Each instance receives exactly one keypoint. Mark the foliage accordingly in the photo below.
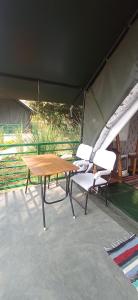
(41, 132)
(61, 115)
(19, 136)
(1, 136)
(48, 132)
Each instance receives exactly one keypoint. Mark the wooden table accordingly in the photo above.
(44, 166)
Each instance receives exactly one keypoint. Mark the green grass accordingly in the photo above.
(41, 131)
(125, 197)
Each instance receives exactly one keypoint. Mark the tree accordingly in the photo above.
(58, 114)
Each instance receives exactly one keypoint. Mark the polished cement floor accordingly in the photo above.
(66, 262)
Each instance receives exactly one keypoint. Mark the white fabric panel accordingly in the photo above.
(119, 119)
(111, 87)
(123, 134)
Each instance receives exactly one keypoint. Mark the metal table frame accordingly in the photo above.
(43, 183)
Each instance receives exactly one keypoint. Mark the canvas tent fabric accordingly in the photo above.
(118, 77)
(119, 119)
(14, 112)
(63, 44)
(28, 89)
(131, 143)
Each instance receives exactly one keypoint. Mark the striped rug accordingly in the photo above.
(125, 254)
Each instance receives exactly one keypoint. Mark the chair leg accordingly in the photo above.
(86, 203)
(105, 196)
(106, 201)
(70, 196)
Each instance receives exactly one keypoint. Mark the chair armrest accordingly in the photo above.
(101, 173)
(82, 164)
(89, 167)
(124, 155)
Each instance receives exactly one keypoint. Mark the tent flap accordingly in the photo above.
(119, 119)
(111, 87)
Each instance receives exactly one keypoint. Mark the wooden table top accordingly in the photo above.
(47, 164)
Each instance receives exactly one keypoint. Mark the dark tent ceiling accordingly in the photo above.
(61, 43)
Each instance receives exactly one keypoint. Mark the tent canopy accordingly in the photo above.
(63, 44)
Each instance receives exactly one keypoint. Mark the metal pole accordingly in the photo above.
(43, 192)
(82, 120)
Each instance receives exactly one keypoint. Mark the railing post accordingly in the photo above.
(38, 152)
(38, 149)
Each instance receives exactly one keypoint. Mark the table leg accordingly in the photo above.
(67, 183)
(70, 196)
(28, 180)
(43, 195)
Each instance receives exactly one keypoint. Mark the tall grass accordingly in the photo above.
(1, 136)
(19, 135)
(43, 132)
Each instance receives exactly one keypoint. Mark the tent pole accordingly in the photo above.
(38, 90)
(82, 120)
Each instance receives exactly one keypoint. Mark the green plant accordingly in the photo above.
(72, 134)
(1, 136)
(19, 135)
(42, 132)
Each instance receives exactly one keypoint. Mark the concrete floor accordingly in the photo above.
(66, 262)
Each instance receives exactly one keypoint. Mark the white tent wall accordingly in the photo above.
(114, 83)
(119, 119)
(131, 142)
(124, 132)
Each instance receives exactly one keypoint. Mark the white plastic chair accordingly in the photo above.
(89, 181)
(84, 152)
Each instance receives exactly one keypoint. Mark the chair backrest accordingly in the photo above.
(84, 151)
(105, 159)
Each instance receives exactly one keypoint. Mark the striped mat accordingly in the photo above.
(125, 254)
